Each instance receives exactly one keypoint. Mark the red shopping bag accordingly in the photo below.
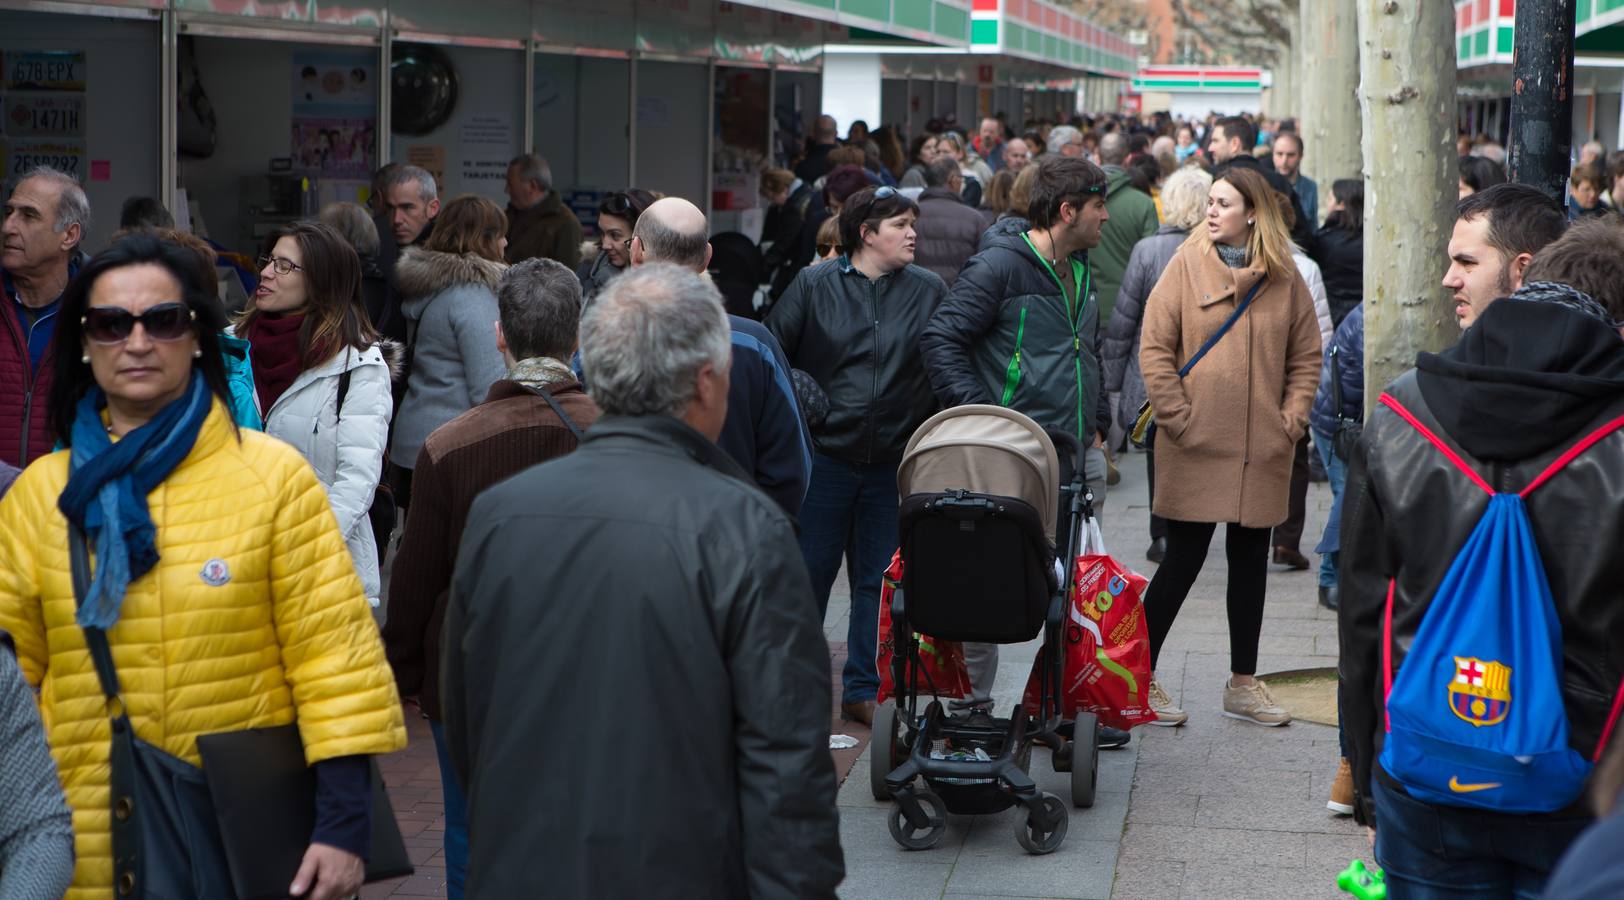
(1106, 644)
(942, 661)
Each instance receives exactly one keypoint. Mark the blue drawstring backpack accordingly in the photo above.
(1476, 718)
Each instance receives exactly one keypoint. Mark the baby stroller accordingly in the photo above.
(988, 509)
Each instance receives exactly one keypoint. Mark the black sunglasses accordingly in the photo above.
(617, 204)
(114, 325)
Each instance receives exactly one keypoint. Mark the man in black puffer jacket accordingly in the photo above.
(1534, 375)
(949, 230)
(1021, 328)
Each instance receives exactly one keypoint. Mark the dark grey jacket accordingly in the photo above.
(949, 232)
(1006, 297)
(635, 682)
(1120, 350)
(36, 829)
(859, 340)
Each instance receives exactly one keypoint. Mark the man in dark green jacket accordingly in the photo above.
(1021, 328)
(1133, 218)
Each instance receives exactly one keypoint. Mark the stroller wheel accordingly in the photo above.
(882, 749)
(1033, 838)
(912, 838)
(1085, 759)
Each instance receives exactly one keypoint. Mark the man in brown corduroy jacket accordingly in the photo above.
(536, 414)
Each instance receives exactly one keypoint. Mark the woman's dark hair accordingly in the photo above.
(1350, 192)
(916, 145)
(1143, 172)
(335, 317)
(868, 208)
(72, 377)
(843, 182)
(627, 204)
(1478, 173)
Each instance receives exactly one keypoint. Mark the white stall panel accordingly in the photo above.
(851, 89)
(109, 129)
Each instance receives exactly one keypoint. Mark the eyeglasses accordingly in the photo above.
(825, 250)
(885, 193)
(283, 266)
(114, 325)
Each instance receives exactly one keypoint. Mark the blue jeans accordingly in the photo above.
(851, 511)
(1337, 469)
(1436, 852)
(456, 818)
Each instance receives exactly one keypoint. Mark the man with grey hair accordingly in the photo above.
(1065, 140)
(411, 200)
(666, 600)
(45, 221)
(539, 224)
(1017, 155)
(949, 230)
(765, 432)
(539, 412)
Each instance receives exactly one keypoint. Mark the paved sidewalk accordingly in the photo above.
(1218, 808)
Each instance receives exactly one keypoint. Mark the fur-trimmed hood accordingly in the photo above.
(421, 274)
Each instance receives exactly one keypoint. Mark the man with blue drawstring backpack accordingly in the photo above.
(1481, 617)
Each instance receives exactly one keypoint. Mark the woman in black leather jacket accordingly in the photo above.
(853, 324)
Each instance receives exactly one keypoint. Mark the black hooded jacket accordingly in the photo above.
(1528, 381)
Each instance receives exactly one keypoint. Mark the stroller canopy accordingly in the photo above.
(986, 450)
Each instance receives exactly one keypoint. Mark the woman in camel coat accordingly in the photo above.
(1226, 432)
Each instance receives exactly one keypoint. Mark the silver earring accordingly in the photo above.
(196, 354)
(85, 359)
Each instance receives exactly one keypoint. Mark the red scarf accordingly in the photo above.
(274, 353)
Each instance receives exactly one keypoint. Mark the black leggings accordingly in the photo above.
(1248, 552)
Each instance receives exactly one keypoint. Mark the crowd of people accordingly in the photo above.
(627, 497)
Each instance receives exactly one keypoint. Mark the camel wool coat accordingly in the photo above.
(1226, 433)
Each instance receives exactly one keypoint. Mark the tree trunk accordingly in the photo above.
(1408, 98)
(1285, 97)
(1330, 90)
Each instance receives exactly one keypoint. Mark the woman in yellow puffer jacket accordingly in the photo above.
(220, 577)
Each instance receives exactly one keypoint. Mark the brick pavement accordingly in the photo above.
(1216, 808)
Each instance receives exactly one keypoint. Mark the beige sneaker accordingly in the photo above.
(1341, 801)
(1166, 713)
(1253, 703)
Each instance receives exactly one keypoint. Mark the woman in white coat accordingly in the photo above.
(309, 342)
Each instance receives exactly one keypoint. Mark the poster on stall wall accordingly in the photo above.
(42, 113)
(431, 159)
(335, 114)
(487, 147)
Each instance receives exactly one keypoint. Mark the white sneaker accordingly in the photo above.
(1253, 703)
(1166, 713)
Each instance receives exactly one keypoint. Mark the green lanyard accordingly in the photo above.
(1084, 277)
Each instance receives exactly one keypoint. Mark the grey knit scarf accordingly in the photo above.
(1564, 295)
(1233, 257)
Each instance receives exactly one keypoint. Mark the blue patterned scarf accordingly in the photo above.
(108, 485)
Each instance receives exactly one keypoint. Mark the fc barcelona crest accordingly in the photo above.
(1481, 691)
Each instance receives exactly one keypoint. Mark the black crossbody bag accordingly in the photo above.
(1348, 430)
(239, 826)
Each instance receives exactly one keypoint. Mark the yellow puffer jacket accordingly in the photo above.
(253, 617)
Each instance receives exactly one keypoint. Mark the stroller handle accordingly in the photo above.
(1067, 443)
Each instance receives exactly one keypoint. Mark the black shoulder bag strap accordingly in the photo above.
(1224, 329)
(562, 415)
(127, 877)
